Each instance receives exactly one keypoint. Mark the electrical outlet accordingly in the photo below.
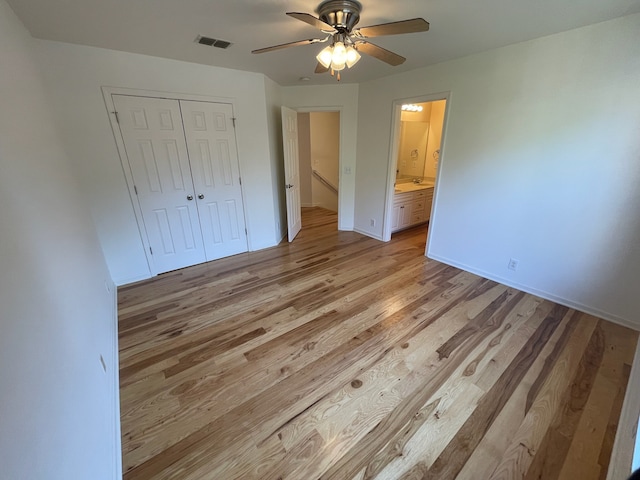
(347, 170)
(373, 222)
(513, 264)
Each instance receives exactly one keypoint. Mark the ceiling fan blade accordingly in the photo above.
(321, 68)
(393, 28)
(380, 53)
(286, 45)
(313, 21)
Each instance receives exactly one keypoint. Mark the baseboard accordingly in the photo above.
(540, 293)
(126, 281)
(261, 246)
(368, 234)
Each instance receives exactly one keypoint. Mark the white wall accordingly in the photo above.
(540, 162)
(342, 97)
(74, 76)
(325, 156)
(58, 408)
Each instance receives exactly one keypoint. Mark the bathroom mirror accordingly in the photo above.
(413, 149)
(420, 135)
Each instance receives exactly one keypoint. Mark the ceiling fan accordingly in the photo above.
(337, 19)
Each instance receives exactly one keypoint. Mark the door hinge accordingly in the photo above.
(150, 251)
(135, 189)
(245, 232)
(233, 120)
(240, 180)
(117, 117)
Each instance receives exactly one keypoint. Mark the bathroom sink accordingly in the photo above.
(412, 187)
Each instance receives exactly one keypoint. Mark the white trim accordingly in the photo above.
(393, 149)
(117, 444)
(622, 455)
(126, 281)
(369, 234)
(126, 170)
(135, 92)
(242, 175)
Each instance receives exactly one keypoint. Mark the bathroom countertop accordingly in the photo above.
(412, 187)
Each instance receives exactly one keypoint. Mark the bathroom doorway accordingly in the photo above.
(414, 161)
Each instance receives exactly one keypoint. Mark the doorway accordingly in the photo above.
(317, 135)
(414, 163)
(319, 154)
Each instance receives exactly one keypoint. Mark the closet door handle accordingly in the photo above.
(189, 197)
(201, 196)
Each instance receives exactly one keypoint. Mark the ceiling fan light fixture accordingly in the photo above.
(337, 20)
(325, 56)
(352, 56)
(339, 57)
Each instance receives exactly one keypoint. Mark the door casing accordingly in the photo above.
(394, 145)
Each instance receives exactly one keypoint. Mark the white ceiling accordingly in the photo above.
(168, 28)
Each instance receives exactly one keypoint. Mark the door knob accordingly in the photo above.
(189, 197)
(201, 196)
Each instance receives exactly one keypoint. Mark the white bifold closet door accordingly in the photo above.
(213, 155)
(184, 165)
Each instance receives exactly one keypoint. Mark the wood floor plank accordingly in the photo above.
(489, 452)
(583, 457)
(518, 457)
(551, 454)
(338, 356)
(455, 455)
(457, 399)
(411, 357)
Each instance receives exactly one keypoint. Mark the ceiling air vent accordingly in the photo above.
(212, 42)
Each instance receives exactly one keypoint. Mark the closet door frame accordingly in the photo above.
(107, 93)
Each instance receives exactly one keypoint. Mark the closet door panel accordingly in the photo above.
(215, 169)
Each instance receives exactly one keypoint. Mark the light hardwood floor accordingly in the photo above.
(342, 357)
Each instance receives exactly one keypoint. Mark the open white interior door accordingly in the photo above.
(291, 171)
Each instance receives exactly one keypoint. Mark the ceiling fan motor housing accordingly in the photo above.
(343, 15)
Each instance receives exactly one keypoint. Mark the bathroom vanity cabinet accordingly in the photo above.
(411, 208)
